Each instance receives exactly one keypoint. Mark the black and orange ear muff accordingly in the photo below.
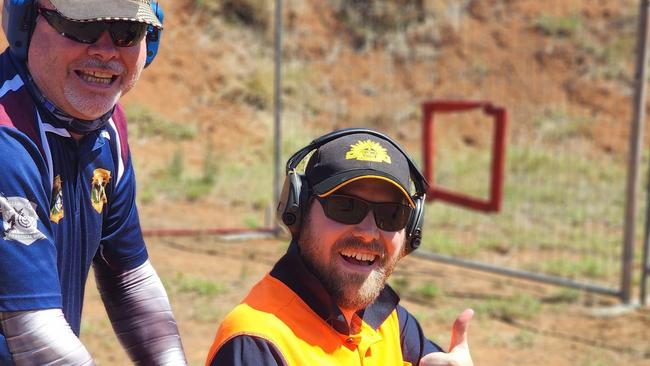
(296, 191)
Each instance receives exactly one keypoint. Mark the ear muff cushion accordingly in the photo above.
(304, 201)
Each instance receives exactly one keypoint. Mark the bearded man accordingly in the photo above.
(325, 302)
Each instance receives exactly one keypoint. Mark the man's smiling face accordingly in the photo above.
(352, 262)
(84, 80)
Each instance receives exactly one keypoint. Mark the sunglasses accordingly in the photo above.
(124, 33)
(349, 210)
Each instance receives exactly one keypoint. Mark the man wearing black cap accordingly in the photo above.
(67, 188)
(352, 217)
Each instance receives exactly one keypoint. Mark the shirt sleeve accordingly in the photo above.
(122, 246)
(246, 350)
(414, 344)
(28, 265)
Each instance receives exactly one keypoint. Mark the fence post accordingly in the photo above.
(634, 159)
(645, 260)
(278, 172)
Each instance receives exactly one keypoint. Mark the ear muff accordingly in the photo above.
(414, 227)
(154, 34)
(293, 200)
(17, 22)
(296, 191)
(18, 19)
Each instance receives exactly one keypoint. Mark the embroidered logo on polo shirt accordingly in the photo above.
(19, 220)
(101, 177)
(368, 151)
(56, 206)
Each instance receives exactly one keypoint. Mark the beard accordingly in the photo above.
(91, 104)
(349, 290)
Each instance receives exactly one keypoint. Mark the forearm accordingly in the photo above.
(137, 304)
(42, 337)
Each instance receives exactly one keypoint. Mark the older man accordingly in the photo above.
(67, 189)
(352, 217)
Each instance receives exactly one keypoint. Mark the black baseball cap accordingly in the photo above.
(357, 156)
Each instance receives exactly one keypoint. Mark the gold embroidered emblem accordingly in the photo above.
(56, 205)
(101, 177)
(368, 151)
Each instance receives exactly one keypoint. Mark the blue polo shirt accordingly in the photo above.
(63, 205)
(252, 349)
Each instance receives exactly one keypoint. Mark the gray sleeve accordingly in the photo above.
(42, 337)
(137, 304)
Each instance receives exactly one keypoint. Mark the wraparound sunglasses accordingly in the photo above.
(350, 210)
(124, 33)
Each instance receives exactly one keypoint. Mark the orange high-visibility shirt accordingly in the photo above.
(285, 314)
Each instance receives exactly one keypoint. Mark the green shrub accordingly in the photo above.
(519, 306)
(367, 21)
(428, 291)
(251, 13)
(181, 283)
(559, 26)
(144, 123)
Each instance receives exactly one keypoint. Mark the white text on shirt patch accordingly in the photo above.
(19, 220)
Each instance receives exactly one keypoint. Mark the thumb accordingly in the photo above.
(459, 330)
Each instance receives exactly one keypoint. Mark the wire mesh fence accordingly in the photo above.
(564, 71)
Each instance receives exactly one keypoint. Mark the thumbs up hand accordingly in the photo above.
(458, 349)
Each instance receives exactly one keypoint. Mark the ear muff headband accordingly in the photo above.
(296, 191)
(19, 17)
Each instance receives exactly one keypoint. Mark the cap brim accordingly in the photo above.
(336, 182)
(107, 10)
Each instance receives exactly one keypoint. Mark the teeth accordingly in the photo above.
(97, 77)
(99, 74)
(93, 79)
(358, 256)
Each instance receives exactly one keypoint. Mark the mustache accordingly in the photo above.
(113, 66)
(354, 243)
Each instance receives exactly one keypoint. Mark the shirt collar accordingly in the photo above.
(293, 272)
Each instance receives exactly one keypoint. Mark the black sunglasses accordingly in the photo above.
(389, 216)
(124, 33)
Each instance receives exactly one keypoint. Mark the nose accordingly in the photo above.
(104, 49)
(367, 229)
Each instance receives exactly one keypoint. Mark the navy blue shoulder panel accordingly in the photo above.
(247, 350)
(414, 344)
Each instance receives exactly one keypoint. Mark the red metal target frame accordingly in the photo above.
(492, 204)
(500, 121)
